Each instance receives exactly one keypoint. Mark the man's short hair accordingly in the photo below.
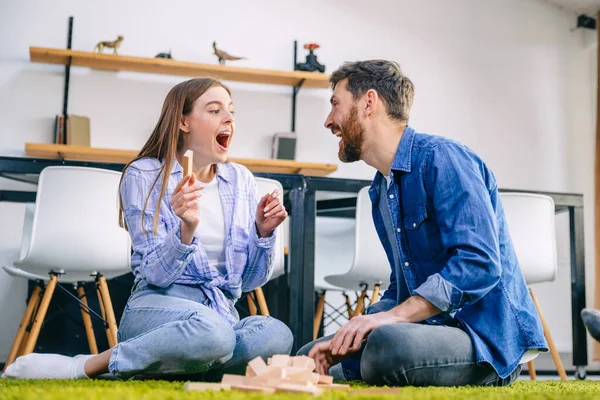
(385, 77)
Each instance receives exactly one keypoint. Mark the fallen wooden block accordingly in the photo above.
(200, 386)
(258, 366)
(325, 379)
(334, 386)
(248, 388)
(264, 381)
(229, 379)
(291, 388)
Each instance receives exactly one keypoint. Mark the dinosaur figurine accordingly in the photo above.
(224, 56)
(110, 45)
(164, 55)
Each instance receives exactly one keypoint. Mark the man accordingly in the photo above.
(591, 321)
(457, 311)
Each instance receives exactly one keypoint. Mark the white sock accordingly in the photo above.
(47, 366)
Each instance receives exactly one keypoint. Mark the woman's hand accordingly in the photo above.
(270, 213)
(184, 201)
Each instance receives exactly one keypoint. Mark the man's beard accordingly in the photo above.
(353, 136)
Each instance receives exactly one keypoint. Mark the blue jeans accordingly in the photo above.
(172, 331)
(416, 355)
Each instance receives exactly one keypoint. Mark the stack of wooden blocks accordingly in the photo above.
(282, 374)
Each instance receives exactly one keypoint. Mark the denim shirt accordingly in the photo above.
(455, 249)
(161, 259)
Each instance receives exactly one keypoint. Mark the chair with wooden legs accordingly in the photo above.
(256, 298)
(530, 218)
(365, 267)
(71, 235)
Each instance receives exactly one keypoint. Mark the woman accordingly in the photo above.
(199, 241)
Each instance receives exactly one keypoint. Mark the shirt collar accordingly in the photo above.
(402, 159)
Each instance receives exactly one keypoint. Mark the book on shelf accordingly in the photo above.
(78, 130)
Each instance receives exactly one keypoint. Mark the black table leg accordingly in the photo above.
(302, 248)
(578, 289)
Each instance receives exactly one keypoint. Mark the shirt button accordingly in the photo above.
(398, 230)
(391, 196)
(406, 264)
(434, 321)
(414, 225)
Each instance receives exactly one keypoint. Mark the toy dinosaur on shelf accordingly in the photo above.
(222, 55)
(164, 55)
(110, 45)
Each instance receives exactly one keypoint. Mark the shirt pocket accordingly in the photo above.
(415, 217)
(423, 235)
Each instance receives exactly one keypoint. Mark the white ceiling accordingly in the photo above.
(590, 7)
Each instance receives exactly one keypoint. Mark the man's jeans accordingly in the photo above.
(416, 355)
(172, 331)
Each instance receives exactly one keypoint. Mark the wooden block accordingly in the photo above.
(264, 381)
(275, 372)
(304, 362)
(229, 379)
(249, 372)
(280, 360)
(188, 162)
(333, 386)
(315, 378)
(295, 388)
(258, 366)
(200, 386)
(298, 374)
(248, 388)
(325, 379)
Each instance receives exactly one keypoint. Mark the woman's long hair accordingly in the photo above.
(166, 139)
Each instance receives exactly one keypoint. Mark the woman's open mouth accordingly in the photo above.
(223, 139)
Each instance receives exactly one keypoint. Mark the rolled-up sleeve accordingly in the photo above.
(456, 181)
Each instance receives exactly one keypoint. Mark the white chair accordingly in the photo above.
(333, 236)
(366, 266)
(530, 218)
(71, 234)
(265, 186)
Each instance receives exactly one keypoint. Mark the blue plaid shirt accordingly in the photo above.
(161, 259)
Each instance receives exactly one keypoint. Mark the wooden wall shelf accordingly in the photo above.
(81, 153)
(173, 67)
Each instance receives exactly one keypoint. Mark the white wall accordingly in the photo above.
(507, 77)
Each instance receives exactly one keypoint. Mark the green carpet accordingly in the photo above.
(160, 390)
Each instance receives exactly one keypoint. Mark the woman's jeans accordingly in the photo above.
(172, 331)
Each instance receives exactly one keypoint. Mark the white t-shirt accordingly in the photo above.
(211, 228)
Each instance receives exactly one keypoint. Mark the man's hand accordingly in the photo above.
(321, 353)
(350, 337)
